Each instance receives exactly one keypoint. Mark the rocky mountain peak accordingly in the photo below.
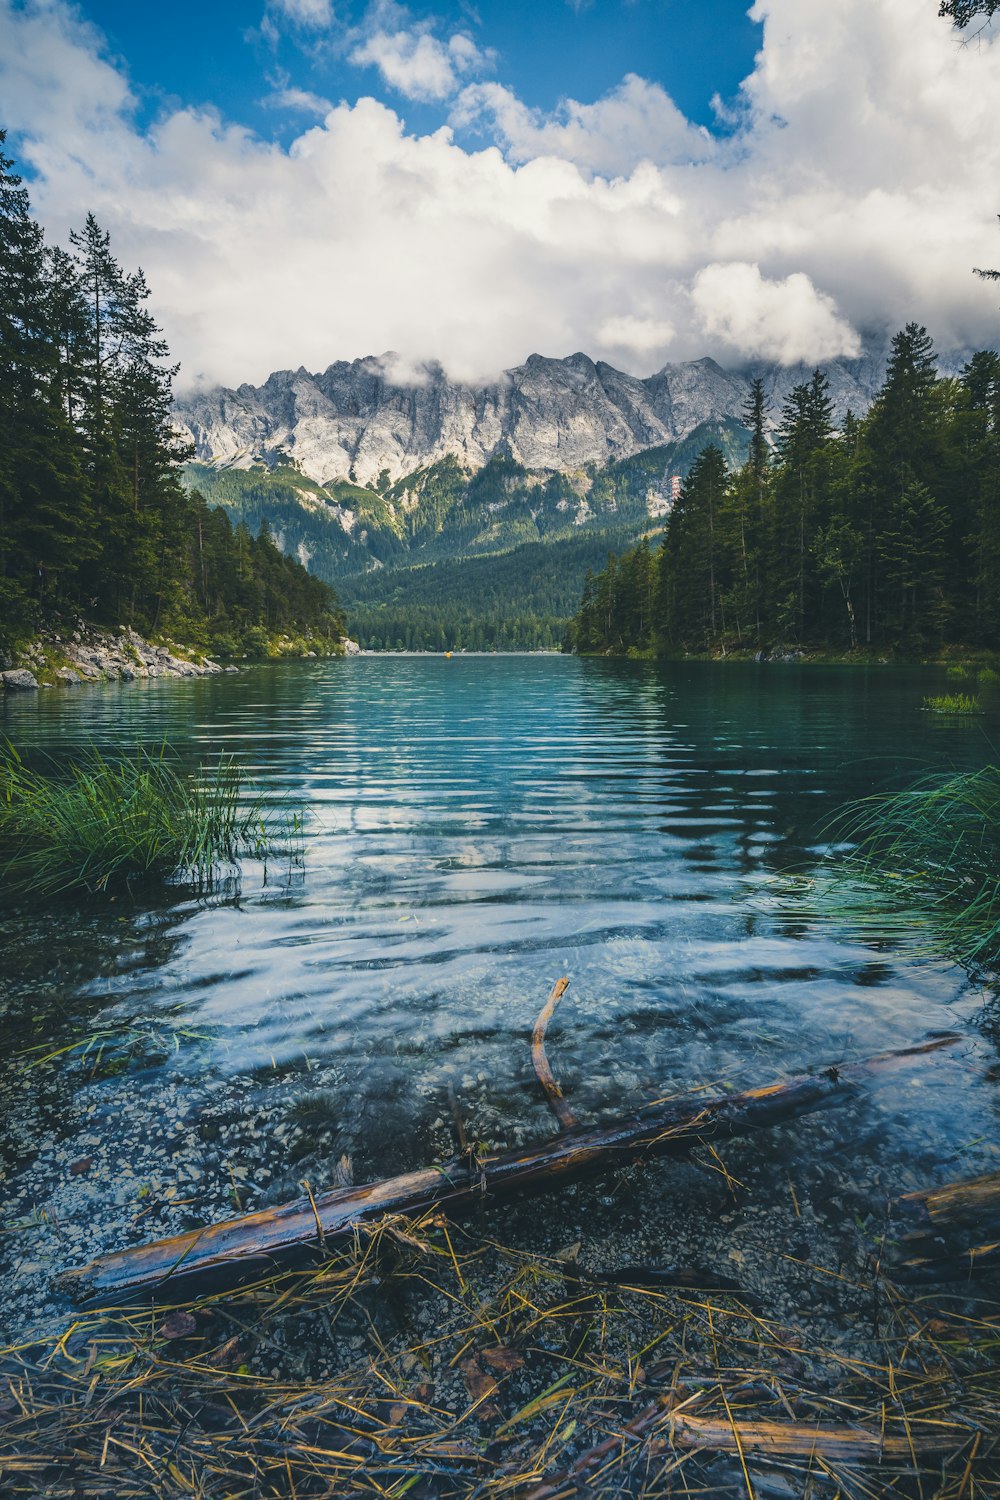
(360, 419)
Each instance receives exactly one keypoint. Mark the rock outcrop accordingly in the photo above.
(19, 680)
(94, 655)
(359, 420)
(123, 656)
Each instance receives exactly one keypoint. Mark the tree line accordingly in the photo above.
(94, 520)
(882, 533)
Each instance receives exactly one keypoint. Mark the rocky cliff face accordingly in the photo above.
(355, 420)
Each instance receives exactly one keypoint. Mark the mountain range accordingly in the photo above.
(370, 474)
(358, 421)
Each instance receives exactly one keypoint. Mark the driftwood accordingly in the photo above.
(954, 1233)
(665, 1425)
(974, 1203)
(256, 1242)
(553, 1093)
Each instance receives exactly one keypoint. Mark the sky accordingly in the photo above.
(643, 180)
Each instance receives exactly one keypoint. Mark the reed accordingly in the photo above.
(953, 703)
(104, 822)
(933, 850)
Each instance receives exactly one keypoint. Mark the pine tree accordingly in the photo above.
(44, 519)
(803, 437)
(689, 578)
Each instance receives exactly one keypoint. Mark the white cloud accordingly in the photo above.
(633, 338)
(635, 122)
(788, 321)
(315, 15)
(298, 99)
(411, 59)
(859, 188)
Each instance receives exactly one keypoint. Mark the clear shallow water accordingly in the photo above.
(476, 828)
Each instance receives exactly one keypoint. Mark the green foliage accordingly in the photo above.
(883, 536)
(94, 520)
(935, 850)
(513, 601)
(962, 12)
(953, 703)
(105, 822)
(446, 558)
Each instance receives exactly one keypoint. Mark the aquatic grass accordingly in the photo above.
(953, 703)
(102, 822)
(932, 854)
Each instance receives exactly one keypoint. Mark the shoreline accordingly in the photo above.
(106, 654)
(967, 659)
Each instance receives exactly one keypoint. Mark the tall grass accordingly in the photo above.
(105, 822)
(953, 703)
(933, 851)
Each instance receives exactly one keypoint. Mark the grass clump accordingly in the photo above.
(953, 703)
(105, 822)
(934, 849)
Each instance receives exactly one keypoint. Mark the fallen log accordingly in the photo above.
(947, 1240)
(256, 1242)
(663, 1426)
(974, 1203)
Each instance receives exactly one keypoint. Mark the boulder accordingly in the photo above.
(68, 676)
(19, 680)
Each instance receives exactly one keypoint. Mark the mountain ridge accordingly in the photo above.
(360, 421)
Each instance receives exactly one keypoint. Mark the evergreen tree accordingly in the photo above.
(803, 437)
(690, 593)
(93, 515)
(44, 517)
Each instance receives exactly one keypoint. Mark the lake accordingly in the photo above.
(475, 828)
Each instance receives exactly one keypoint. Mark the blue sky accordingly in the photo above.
(197, 53)
(311, 180)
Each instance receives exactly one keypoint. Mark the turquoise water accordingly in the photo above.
(477, 827)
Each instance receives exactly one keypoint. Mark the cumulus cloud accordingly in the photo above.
(788, 321)
(633, 338)
(635, 122)
(411, 59)
(858, 191)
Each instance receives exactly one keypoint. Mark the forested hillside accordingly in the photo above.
(94, 519)
(884, 534)
(514, 601)
(450, 558)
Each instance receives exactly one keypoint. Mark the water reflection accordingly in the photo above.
(476, 828)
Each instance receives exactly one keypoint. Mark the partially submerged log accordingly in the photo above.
(258, 1242)
(954, 1234)
(974, 1203)
(663, 1426)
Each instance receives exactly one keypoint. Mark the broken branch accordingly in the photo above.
(553, 1093)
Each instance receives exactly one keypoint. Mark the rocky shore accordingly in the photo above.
(94, 655)
(90, 654)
